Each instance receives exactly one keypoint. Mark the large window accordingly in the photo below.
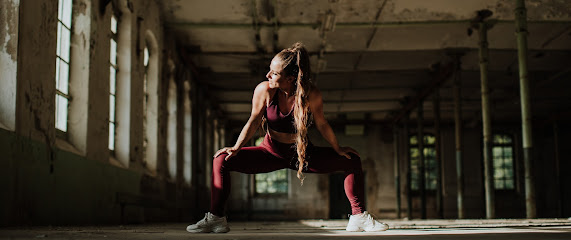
(62, 64)
(275, 182)
(113, 69)
(429, 153)
(502, 152)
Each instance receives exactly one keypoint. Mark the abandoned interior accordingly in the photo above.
(111, 110)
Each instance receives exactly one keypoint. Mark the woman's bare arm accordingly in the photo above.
(316, 107)
(258, 106)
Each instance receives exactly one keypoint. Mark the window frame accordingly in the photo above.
(426, 163)
(513, 161)
(114, 36)
(59, 93)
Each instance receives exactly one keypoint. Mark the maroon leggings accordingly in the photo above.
(272, 155)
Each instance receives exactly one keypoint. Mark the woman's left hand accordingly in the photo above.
(344, 151)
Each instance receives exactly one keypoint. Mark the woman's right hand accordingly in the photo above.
(231, 151)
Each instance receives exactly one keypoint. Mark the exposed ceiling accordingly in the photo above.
(376, 58)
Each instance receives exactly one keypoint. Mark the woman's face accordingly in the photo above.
(277, 77)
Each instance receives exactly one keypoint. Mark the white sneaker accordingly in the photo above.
(210, 223)
(365, 222)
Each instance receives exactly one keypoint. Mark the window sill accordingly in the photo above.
(66, 146)
(113, 161)
(5, 127)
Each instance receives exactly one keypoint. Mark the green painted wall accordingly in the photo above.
(43, 186)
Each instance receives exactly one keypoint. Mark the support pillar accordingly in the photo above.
(397, 168)
(486, 122)
(421, 172)
(438, 158)
(521, 31)
(408, 169)
(458, 137)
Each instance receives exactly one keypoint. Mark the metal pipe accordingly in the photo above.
(421, 167)
(438, 158)
(458, 137)
(408, 177)
(486, 122)
(317, 25)
(397, 168)
(521, 31)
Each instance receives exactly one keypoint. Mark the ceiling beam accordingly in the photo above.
(316, 25)
(439, 77)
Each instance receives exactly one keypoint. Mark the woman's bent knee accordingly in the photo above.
(220, 160)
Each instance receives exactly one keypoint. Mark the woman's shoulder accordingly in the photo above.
(315, 93)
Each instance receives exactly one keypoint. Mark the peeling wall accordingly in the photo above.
(53, 180)
(8, 62)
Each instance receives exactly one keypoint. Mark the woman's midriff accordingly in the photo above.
(282, 137)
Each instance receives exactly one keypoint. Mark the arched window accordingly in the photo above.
(151, 101)
(172, 122)
(113, 68)
(429, 153)
(503, 158)
(187, 144)
(63, 61)
(120, 84)
(271, 183)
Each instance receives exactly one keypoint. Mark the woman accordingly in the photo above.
(285, 102)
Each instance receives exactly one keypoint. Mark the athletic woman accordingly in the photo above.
(286, 104)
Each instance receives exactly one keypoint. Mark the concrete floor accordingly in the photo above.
(520, 229)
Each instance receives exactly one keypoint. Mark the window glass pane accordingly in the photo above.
(429, 139)
(60, 10)
(508, 152)
(111, 108)
(273, 182)
(58, 47)
(507, 139)
(65, 36)
(63, 82)
(497, 152)
(112, 82)
(57, 71)
(66, 15)
(413, 140)
(113, 52)
(61, 113)
(499, 184)
(113, 24)
(111, 136)
(146, 57)
(509, 184)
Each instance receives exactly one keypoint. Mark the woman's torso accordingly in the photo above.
(280, 126)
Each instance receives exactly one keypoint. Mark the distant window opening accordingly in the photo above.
(113, 69)
(272, 183)
(429, 153)
(503, 159)
(63, 60)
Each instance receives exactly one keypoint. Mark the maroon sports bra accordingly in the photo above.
(277, 121)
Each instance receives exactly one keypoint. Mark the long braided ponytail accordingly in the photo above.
(296, 63)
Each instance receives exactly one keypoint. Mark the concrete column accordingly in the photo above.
(35, 95)
(397, 168)
(521, 31)
(486, 122)
(458, 138)
(408, 177)
(556, 148)
(438, 155)
(421, 172)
